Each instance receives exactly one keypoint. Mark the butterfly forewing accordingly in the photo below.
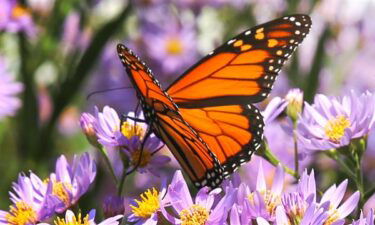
(243, 69)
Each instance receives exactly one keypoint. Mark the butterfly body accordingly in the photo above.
(206, 117)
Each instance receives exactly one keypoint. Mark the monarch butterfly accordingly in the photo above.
(206, 117)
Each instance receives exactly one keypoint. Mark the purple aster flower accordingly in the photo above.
(368, 220)
(9, 88)
(309, 216)
(332, 123)
(334, 196)
(111, 132)
(71, 218)
(147, 210)
(73, 38)
(14, 18)
(70, 182)
(263, 201)
(202, 210)
(146, 157)
(30, 202)
(113, 205)
(172, 46)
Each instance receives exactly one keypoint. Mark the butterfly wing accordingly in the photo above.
(189, 149)
(233, 132)
(242, 70)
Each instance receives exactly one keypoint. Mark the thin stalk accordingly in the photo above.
(359, 181)
(296, 162)
(266, 153)
(332, 154)
(108, 163)
(126, 163)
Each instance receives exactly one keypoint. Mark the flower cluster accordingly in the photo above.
(238, 204)
(127, 137)
(35, 200)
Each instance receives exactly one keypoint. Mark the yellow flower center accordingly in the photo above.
(19, 11)
(74, 220)
(130, 130)
(195, 215)
(148, 204)
(21, 214)
(143, 159)
(59, 189)
(271, 200)
(174, 46)
(335, 128)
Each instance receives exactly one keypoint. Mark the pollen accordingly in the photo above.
(130, 130)
(195, 215)
(271, 200)
(174, 46)
(333, 216)
(74, 220)
(19, 11)
(148, 205)
(272, 43)
(60, 190)
(335, 128)
(21, 214)
(238, 43)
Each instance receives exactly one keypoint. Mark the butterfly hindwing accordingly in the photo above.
(243, 69)
(162, 115)
(233, 132)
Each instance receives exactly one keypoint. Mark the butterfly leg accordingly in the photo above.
(147, 135)
(135, 119)
(158, 149)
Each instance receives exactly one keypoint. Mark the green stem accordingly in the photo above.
(359, 181)
(369, 193)
(108, 162)
(266, 153)
(120, 185)
(296, 161)
(333, 155)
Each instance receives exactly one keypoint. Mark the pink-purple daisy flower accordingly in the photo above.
(207, 208)
(71, 218)
(71, 181)
(15, 17)
(145, 157)
(31, 202)
(173, 46)
(147, 210)
(334, 122)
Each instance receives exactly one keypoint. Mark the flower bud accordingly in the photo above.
(295, 101)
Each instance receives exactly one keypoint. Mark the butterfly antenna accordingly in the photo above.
(106, 90)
